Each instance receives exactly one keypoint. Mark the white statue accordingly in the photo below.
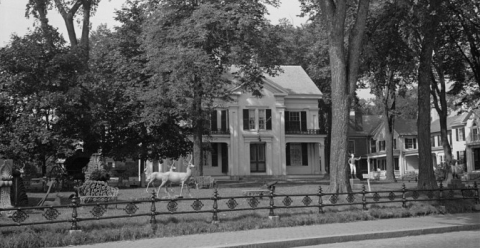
(351, 162)
(5, 183)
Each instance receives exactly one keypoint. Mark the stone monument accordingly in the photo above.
(5, 183)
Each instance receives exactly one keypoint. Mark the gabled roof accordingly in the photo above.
(454, 120)
(293, 80)
(406, 126)
(369, 124)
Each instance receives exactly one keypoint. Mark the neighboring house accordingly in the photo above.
(273, 132)
(405, 148)
(456, 139)
(472, 141)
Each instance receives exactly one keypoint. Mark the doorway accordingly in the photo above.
(257, 157)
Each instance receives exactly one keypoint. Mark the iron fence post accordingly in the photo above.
(440, 192)
(272, 203)
(320, 201)
(404, 196)
(74, 206)
(476, 195)
(215, 206)
(153, 209)
(364, 198)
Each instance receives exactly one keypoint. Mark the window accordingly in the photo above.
(218, 120)
(373, 146)
(394, 144)
(297, 154)
(461, 157)
(410, 143)
(351, 146)
(261, 119)
(257, 119)
(381, 145)
(432, 140)
(206, 157)
(460, 134)
(251, 119)
(296, 121)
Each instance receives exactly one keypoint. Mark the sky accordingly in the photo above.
(13, 20)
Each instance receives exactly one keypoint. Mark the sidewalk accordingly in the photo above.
(312, 235)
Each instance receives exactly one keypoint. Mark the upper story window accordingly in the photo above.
(460, 134)
(296, 121)
(381, 145)
(373, 146)
(219, 120)
(410, 143)
(351, 146)
(257, 119)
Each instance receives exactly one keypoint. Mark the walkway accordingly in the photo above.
(312, 235)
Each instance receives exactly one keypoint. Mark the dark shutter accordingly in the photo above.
(304, 154)
(213, 120)
(463, 134)
(214, 155)
(245, 119)
(414, 143)
(456, 134)
(269, 119)
(287, 120)
(304, 121)
(223, 120)
(287, 151)
(224, 147)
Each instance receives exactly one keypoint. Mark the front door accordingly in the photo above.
(257, 157)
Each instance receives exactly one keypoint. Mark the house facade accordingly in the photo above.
(274, 132)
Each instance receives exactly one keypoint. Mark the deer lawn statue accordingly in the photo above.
(160, 176)
(182, 177)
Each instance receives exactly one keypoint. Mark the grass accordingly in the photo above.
(99, 231)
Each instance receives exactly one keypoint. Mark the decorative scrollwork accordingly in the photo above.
(197, 205)
(307, 200)
(172, 206)
(253, 202)
(451, 194)
(333, 199)
(131, 208)
(376, 197)
(51, 214)
(19, 216)
(231, 203)
(391, 196)
(430, 194)
(350, 198)
(98, 211)
(415, 195)
(287, 201)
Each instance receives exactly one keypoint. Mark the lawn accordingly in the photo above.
(96, 231)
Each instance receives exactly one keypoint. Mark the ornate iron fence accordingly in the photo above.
(319, 200)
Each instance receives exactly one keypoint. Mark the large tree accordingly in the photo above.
(191, 45)
(38, 86)
(344, 64)
(429, 19)
(389, 66)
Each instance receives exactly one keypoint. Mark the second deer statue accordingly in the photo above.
(173, 177)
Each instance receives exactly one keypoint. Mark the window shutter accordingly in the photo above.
(269, 119)
(463, 133)
(304, 154)
(224, 147)
(287, 120)
(456, 134)
(245, 119)
(287, 151)
(213, 120)
(414, 143)
(304, 121)
(214, 155)
(223, 121)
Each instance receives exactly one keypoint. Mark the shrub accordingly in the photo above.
(99, 175)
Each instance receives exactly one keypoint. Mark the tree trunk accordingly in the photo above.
(198, 129)
(426, 177)
(344, 69)
(389, 120)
